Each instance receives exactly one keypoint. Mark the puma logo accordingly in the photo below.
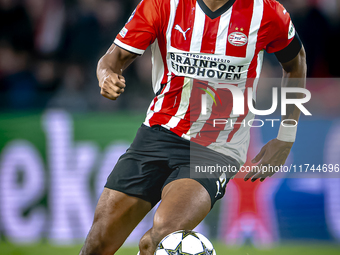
(177, 27)
(218, 189)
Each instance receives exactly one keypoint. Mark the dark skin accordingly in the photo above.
(117, 214)
(105, 236)
(215, 4)
(112, 64)
(109, 71)
(274, 153)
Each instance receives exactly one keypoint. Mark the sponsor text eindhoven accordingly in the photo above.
(205, 66)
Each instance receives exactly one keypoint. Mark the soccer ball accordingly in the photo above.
(185, 242)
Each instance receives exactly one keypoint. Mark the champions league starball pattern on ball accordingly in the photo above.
(185, 242)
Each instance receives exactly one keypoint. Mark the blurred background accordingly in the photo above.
(59, 139)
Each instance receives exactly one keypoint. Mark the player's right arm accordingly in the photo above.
(137, 34)
(109, 71)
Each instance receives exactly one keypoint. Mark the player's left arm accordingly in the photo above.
(287, 46)
(276, 151)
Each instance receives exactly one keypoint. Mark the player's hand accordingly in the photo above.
(112, 85)
(274, 153)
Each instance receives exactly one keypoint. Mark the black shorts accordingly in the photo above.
(157, 157)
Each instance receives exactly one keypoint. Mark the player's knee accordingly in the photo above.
(149, 241)
(146, 242)
(160, 229)
(163, 225)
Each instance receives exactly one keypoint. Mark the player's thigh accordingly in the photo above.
(185, 203)
(116, 215)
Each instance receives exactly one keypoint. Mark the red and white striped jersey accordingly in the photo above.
(196, 53)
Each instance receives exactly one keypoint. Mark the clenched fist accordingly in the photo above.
(111, 84)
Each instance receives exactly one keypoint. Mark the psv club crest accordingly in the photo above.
(237, 39)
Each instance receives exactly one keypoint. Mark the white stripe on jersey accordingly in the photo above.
(157, 66)
(127, 47)
(201, 120)
(183, 106)
(251, 47)
(258, 72)
(254, 27)
(242, 132)
(158, 104)
(198, 29)
(173, 8)
(222, 34)
(238, 146)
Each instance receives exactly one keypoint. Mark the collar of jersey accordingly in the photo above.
(218, 12)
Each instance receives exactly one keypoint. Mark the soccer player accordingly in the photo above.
(199, 48)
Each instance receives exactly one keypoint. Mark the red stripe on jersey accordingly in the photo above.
(194, 108)
(210, 35)
(159, 118)
(249, 83)
(277, 31)
(238, 33)
(183, 25)
(209, 133)
(171, 102)
(250, 79)
(239, 120)
(152, 108)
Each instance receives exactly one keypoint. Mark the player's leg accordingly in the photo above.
(116, 215)
(185, 203)
(140, 172)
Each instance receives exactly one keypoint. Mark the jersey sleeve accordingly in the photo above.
(141, 29)
(282, 30)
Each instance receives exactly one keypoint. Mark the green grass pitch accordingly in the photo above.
(221, 249)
